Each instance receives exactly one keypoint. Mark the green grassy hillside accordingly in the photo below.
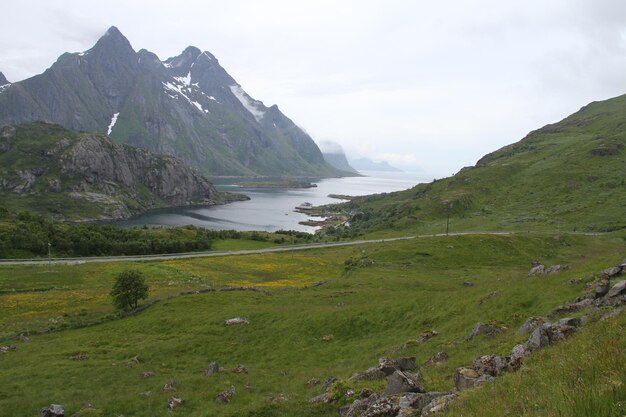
(375, 299)
(569, 175)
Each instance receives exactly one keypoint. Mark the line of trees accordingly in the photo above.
(26, 234)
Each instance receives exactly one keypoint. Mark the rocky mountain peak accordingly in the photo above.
(187, 105)
(3, 79)
(113, 43)
(184, 61)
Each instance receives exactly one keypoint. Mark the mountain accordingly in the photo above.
(565, 176)
(51, 170)
(187, 106)
(3, 81)
(365, 164)
(335, 156)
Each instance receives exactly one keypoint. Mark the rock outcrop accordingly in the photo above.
(92, 174)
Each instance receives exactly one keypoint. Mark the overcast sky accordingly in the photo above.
(424, 85)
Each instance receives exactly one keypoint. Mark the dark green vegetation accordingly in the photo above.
(565, 176)
(377, 299)
(50, 170)
(187, 106)
(26, 235)
(129, 288)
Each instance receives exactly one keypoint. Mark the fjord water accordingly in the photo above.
(272, 209)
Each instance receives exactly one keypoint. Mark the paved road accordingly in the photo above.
(39, 261)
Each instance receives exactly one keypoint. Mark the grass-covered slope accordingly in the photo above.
(384, 296)
(569, 175)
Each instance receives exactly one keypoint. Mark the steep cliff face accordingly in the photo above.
(187, 106)
(85, 175)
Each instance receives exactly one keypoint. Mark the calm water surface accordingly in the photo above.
(272, 209)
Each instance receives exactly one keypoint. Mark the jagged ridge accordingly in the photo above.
(187, 106)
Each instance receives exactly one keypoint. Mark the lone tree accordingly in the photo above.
(128, 289)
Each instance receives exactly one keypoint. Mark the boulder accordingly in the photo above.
(568, 321)
(4, 349)
(437, 358)
(53, 410)
(236, 321)
(438, 405)
(493, 365)
(464, 378)
(213, 368)
(371, 374)
(147, 374)
(549, 333)
(382, 407)
(538, 339)
(518, 354)
(240, 369)
(537, 269)
(226, 396)
(400, 382)
(170, 385)
(570, 308)
(531, 324)
(372, 406)
(613, 271)
(481, 328)
(617, 289)
(174, 402)
(418, 400)
(328, 382)
(313, 382)
(323, 398)
(602, 287)
(426, 336)
(468, 284)
(555, 269)
(389, 366)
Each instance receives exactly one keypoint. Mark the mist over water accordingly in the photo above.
(272, 209)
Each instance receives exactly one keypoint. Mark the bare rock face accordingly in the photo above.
(101, 164)
(92, 172)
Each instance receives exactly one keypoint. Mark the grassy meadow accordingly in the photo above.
(375, 301)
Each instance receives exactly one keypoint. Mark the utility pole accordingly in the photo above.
(448, 208)
(49, 256)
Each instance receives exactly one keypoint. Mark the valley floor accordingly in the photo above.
(321, 313)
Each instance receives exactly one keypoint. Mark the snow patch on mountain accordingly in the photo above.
(186, 80)
(247, 102)
(113, 121)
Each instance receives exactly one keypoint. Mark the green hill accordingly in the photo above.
(568, 175)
